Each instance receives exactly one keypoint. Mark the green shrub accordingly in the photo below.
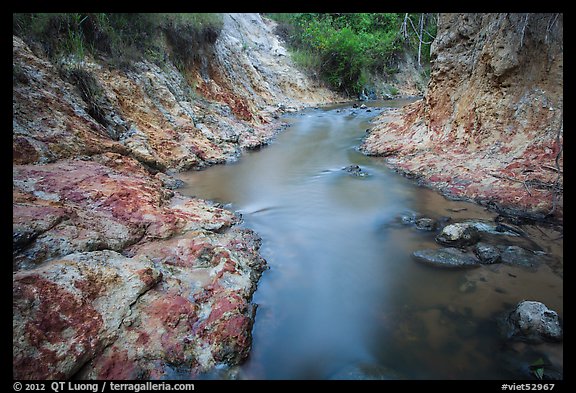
(122, 38)
(58, 33)
(348, 47)
(189, 34)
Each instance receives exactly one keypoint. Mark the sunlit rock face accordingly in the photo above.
(490, 125)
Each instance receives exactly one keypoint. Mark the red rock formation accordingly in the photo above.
(116, 275)
(490, 126)
(69, 309)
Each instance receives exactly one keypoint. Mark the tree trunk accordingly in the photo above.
(420, 38)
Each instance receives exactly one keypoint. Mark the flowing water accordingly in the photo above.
(343, 299)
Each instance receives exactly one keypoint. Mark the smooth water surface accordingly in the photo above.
(343, 299)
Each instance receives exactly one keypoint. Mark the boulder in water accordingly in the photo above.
(516, 255)
(425, 224)
(532, 321)
(446, 258)
(355, 170)
(487, 253)
(458, 235)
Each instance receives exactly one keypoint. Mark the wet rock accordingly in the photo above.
(446, 258)
(493, 228)
(516, 255)
(419, 221)
(487, 253)
(363, 106)
(407, 218)
(458, 234)
(532, 321)
(355, 170)
(425, 224)
(168, 181)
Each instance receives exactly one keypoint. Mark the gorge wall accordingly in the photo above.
(116, 274)
(490, 126)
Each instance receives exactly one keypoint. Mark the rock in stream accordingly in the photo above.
(532, 321)
(451, 258)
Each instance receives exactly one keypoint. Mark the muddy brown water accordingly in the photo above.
(343, 298)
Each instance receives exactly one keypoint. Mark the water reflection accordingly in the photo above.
(343, 298)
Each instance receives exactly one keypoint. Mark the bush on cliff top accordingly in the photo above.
(345, 48)
(121, 38)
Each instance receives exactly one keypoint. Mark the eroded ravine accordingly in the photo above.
(343, 297)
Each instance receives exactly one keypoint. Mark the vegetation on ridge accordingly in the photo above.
(121, 38)
(344, 49)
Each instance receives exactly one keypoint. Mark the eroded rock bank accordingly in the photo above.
(116, 274)
(490, 127)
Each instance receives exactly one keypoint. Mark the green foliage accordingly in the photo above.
(348, 47)
(121, 37)
(59, 33)
(306, 60)
(537, 368)
(189, 34)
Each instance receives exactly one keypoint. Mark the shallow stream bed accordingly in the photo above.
(343, 298)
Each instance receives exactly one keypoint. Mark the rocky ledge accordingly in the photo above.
(116, 274)
(490, 126)
(118, 277)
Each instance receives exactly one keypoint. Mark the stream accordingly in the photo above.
(343, 298)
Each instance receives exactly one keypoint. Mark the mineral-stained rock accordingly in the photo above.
(49, 116)
(490, 125)
(33, 219)
(88, 182)
(169, 181)
(67, 310)
(199, 316)
(106, 207)
(534, 322)
(446, 258)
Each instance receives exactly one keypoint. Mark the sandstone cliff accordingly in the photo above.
(490, 127)
(116, 275)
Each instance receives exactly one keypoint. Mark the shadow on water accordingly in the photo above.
(343, 298)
